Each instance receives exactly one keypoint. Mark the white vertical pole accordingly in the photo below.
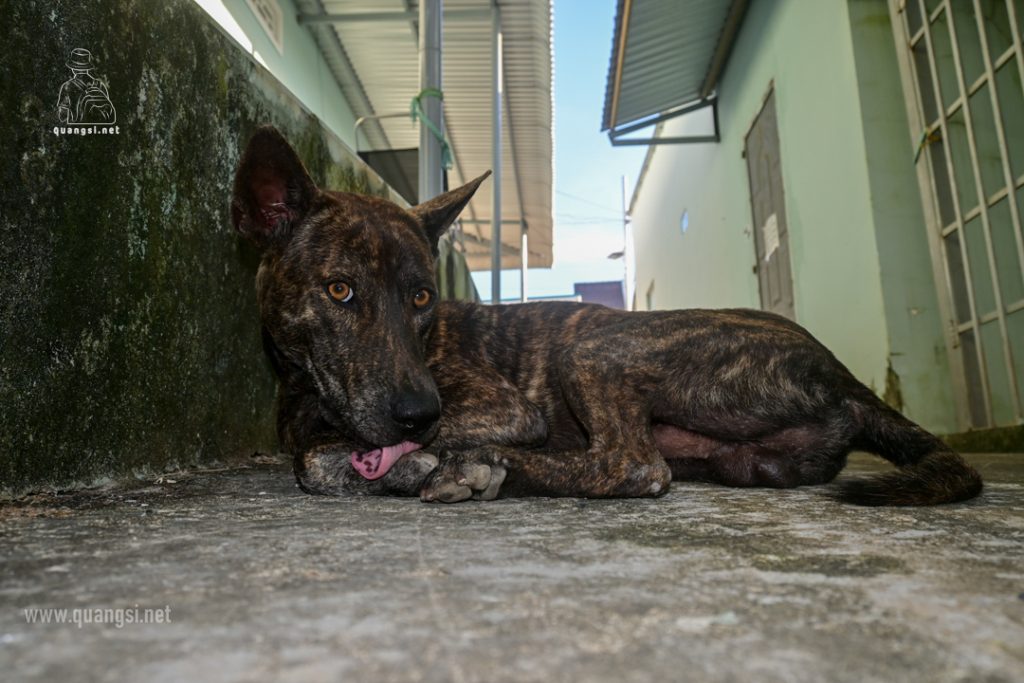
(524, 263)
(431, 179)
(627, 251)
(496, 56)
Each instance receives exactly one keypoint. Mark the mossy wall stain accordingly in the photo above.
(129, 336)
(893, 394)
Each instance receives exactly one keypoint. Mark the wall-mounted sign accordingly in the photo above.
(770, 230)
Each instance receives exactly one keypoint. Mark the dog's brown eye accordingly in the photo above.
(422, 298)
(340, 291)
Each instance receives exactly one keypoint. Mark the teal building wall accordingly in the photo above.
(862, 276)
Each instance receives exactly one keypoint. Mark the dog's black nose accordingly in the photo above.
(415, 411)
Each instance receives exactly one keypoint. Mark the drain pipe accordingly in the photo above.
(498, 84)
(431, 180)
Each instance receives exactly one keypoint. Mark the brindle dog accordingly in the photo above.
(384, 389)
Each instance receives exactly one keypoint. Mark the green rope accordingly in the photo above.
(416, 111)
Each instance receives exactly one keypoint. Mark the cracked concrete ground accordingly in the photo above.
(705, 584)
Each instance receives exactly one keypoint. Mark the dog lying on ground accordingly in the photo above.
(384, 389)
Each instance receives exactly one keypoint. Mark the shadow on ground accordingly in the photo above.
(266, 583)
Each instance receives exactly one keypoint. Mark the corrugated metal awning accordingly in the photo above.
(666, 54)
(376, 63)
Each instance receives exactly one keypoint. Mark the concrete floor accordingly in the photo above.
(706, 584)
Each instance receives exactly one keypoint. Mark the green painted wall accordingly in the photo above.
(834, 203)
(919, 381)
(129, 337)
(300, 67)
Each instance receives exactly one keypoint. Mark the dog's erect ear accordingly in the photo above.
(441, 211)
(272, 192)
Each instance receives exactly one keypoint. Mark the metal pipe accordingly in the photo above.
(664, 116)
(627, 253)
(452, 146)
(498, 76)
(374, 117)
(725, 41)
(524, 258)
(696, 139)
(620, 58)
(431, 182)
(615, 135)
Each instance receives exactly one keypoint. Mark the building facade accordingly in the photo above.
(868, 182)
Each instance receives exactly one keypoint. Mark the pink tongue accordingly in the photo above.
(376, 463)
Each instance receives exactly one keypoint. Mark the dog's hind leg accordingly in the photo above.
(757, 401)
(814, 453)
(795, 456)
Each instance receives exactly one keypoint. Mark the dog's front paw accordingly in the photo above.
(461, 476)
(407, 476)
(328, 471)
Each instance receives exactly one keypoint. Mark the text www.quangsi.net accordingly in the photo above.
(118, 617)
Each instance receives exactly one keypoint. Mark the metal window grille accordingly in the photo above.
(964, 61)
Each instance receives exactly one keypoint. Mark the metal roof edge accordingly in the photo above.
(717, 63)
(612, 66)
(723, 47)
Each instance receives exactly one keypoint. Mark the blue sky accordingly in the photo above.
(588, 169)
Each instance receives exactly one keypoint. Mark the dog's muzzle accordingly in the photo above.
(415, 412)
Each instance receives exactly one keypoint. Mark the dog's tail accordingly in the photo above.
(930, 472)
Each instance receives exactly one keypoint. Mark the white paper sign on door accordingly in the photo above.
(770, 230)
